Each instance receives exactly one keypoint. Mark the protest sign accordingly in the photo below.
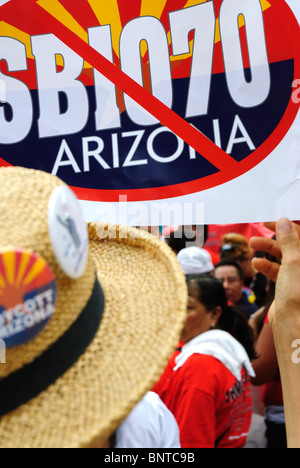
(156, 112)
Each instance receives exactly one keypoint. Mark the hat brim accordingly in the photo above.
(145, 309)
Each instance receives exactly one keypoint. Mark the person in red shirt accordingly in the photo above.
(206, 384)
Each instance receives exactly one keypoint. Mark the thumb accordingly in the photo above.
(287, 238)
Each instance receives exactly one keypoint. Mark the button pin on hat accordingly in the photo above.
(68, 232)
(27, 295)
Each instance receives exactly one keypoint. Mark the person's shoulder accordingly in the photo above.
(203, 367)
(149, 425)
(246, 304)
(206, 360)
(152, 400)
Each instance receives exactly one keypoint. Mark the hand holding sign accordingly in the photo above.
(284, 319)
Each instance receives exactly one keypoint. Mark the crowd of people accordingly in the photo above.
(145, 347)
(222, 384)
(247, 297)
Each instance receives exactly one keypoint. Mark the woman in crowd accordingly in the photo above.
(236, 247)
(206, 384)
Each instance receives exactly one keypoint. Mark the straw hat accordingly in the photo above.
(68, 381)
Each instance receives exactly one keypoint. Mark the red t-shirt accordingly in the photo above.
(211, 407)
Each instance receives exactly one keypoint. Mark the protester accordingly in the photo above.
(181, 237)
(267, 371)
(257, 320)
(206, 384)
(236, 247)
(195, 261)
(231, 275)
(284, 315)
(149, 425)
(90, 316)
(248, 230)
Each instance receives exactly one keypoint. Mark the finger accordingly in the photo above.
(297, 226)
(288, 239)
(266, 244)
(271, 314)
(267, 268)
(271, 226)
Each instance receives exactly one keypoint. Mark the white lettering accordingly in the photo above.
(64, 149)
(201, 19)
(30, 305)
(107, 113)
(161, 159)
(116, 458)
(151, 30)
(253, 93)
(234, 140)
(52, 83)
(115, 150)
(139, 136)
(295, 94)
(94, 147)
(15, 127)
(95, 153)
(33, 311)
(63, 98)
(296, 354)
(136, 212)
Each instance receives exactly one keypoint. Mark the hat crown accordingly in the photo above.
(195, 260)
(234, 245)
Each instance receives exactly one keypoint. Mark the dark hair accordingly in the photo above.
(179, 238)
(232, 251)
(211, 294)
(231, 263)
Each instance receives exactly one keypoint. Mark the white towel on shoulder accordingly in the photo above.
(220, 345)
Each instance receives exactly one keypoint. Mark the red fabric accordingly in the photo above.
(215, 258)
(210, 406)
(168, 372)
(272, 395)
(216, 231)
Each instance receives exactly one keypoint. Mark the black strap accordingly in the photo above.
(28, 382)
